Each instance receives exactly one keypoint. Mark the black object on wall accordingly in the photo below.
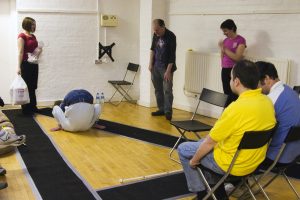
(106, 50)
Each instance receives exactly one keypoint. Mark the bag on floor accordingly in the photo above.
(10, 140)
(19, 92)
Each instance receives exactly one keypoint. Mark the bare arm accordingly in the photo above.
(168, 73)
(238, 55)
(20, 54)
(206, 146)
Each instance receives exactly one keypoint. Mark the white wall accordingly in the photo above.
(149, 10)
(126, 37)
(8, 65)
(70, 30)
(271, 33)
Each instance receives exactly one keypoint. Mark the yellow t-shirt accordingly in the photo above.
(252, 111)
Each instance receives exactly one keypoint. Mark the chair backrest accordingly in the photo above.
(252, 140)
(297, 89)
(255, 139)
(133, 67)
(293, 135)
(213, 97)
(131, 77)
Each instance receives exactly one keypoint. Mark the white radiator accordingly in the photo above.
(204, 70)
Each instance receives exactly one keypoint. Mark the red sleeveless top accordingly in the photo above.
(30, 44)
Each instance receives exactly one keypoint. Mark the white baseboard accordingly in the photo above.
(45, 103)
(214, 112)
(145, 104)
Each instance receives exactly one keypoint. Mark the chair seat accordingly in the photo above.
(120, 82)
(230, 178)
(191, 125)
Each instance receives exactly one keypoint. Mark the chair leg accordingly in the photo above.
(197, 135)
(173, 148)
(271, 180)
(260, 187)
(123, 93)
(291, 185)
(210, 191)
(110, 100)
(126, 95)
(182, 136)
(250, 191)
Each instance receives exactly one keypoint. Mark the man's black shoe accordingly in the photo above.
(2, 171)
(3, 185)
(1, 102)
(158, 113)
(169, 116)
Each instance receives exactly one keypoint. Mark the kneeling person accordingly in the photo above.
(77, 112)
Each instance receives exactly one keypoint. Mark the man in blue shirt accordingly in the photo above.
(287, 109)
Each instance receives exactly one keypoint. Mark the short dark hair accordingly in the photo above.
(27, 23)
(266, 68)
(229, 24)
(159, 22)
(247, 72)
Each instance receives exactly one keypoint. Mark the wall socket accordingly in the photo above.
(99, 61)
(108, 20)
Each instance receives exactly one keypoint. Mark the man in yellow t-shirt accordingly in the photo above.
(252, 111)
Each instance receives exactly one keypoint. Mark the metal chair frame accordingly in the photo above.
(117, 84)
(250, 140)
(297, 89)
(293, 135)
(209, 96)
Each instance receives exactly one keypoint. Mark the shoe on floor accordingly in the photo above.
(158, 113)
(2, 171)
(3, 185)
(7, 138)
(169, 116)
(237, 193)
(229, 188)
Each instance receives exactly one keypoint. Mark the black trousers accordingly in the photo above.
(226, 85)
(29, 73)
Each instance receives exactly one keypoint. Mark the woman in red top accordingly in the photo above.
(27, 43)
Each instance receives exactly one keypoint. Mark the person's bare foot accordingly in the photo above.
(58, 128)
(98, 126)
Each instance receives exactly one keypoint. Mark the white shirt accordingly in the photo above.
(77, 117)
(275, 91)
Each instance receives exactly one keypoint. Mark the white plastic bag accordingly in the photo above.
(34, 56)
(19, 92)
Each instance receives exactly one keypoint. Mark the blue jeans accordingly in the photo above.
(76, 96)
(186, 151)
(163, 89)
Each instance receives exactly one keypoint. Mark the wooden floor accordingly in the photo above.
(103, 158)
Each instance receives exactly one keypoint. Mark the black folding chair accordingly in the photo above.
(123, 86)
(279, 168)
(192, 125)
(297, 89)
(250, 140)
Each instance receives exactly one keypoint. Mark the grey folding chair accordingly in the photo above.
(297, 89)
(250, 140)
(279, 168)
(195, 126)
(123, 86)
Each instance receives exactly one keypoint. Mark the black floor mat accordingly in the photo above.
(133, 132)
(51, 175)
(154, 137)
(158, 188)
